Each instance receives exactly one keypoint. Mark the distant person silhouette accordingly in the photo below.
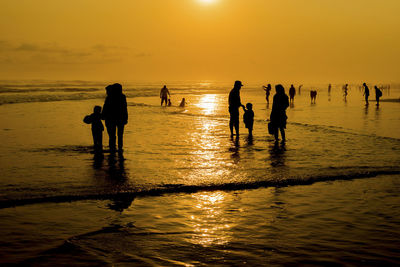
(267, 90)
(278, 114)
(378, 94)
(366, 93)
(329, 92)
(97, 127)
(345, 90)
(292, 93)
(115, 114)
(183, 103)
(234, 105)
(164, 93)
(313, 96)
(248, 117)
(299, 90)
(169, 102)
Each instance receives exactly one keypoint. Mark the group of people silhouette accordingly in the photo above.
(115, 113)
(166, 98)
(278, 114)
(378, 94)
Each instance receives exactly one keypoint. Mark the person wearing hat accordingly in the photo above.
(234, 105)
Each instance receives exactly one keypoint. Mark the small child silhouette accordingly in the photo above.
(97, 127)
(183, 103)
(248, 117)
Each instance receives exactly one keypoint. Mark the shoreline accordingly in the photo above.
(148, 219)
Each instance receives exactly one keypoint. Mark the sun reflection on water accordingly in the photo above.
(210, 225)
(208, 103)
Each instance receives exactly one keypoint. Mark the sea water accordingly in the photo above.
(184, 193)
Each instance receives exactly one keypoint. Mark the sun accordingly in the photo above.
(207, 1)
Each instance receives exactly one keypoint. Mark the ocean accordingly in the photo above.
(183, 192)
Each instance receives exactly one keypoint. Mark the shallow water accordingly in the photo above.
(354, 223)
(185, 157)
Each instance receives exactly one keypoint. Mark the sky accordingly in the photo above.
(210, 40)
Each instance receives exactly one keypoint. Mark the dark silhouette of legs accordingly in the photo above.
(283, 134)
(111, 130)
(97, 140)
(164, 99)
(234, 122)
(276, 134)
(120, 136)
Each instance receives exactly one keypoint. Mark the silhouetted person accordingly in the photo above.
(164, 93)
(299, 90)
(97, 127)
(292, 93)
(329, 92)
(267, 90)
(248, 117)
(313, 96)
(169, 102)
(278, 114)
(345, 89)
(183, 103)
(115, 114)
(366, 93)
(234, 105)
(378, 94)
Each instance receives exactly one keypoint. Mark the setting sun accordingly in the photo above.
(207, 1)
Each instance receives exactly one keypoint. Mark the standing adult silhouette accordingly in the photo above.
(366, 93)
(164, 93)
(115, 114)
(278, 114)
(345, 91)
(292, 93)
(234, 105)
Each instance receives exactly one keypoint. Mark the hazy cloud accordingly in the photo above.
(143, 55)
(52, 53)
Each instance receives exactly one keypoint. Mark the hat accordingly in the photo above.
(238, 83)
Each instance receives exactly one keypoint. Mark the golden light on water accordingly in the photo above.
(208, 103)
(209, 222)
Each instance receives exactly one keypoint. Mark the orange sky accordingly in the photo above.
(170, 40)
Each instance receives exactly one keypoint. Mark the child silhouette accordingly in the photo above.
(248, 117)
(97, 127)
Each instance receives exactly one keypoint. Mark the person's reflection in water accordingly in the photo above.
(249, 140)
(116, 167)
(98, 160)
(121, 202)
(118, 178)
(366, 109)
(277, 154)
(110, 175)
(235, 149)
(377, 113)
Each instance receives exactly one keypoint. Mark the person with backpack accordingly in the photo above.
(378, 94)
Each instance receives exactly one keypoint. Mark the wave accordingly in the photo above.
(41, 90)
(364, 172)
(78, 94)
(338, 129)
